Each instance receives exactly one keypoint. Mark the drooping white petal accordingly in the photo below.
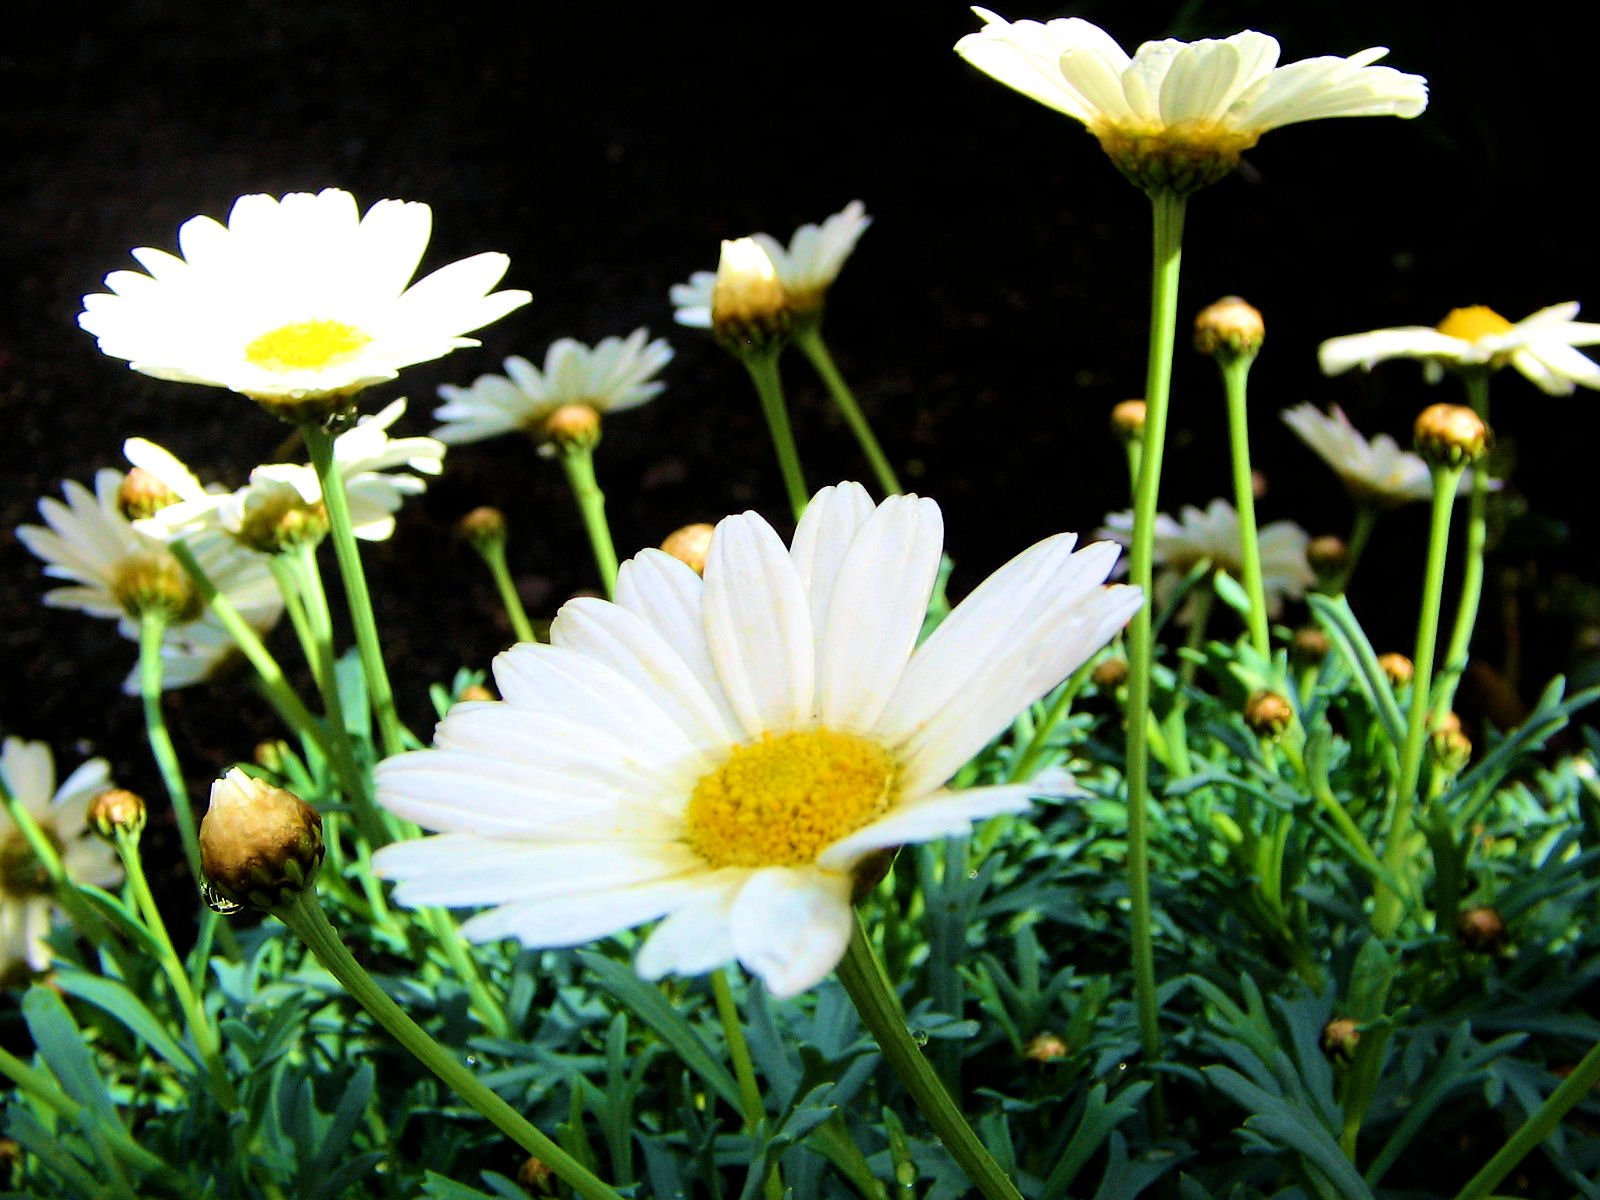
(698, 936)
(579, 917)
(936, 815)
(790, 926)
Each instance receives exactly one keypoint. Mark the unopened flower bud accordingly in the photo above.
(1109, 673)
(483, 526)
(1339, 1039)
(475, 691)
(1045, 1048)
(1450, 435)
(153, 581)
(1327, 555)
(536, 1178)
(1268, 714)
(1229, 329)
(749, 311)
(1481, 930)
(142, 494)
(1127, 419)
(277, 519)
(117, 810)
(690, 545)
(259, 845)
(1449, 722)
(1452, 749)
(271, 755)
(1397, 668)
(572, 427)
(1309, 646)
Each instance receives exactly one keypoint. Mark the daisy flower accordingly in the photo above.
(297, 303)
(1213, 535)
(617, 374)
(1177, 115)
(724, 752)
(26, 909)
(1376, 472)
(1540, 346)
(806, 268)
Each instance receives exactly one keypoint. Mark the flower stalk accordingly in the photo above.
(763, 368)
(577, 460)
(152, 628)
(808, 336)
(1235, 374)
(1476, 380)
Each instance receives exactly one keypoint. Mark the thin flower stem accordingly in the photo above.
(1455, 656)
(1360, 533)
(305, 916)
(809, 338)
(1235, 375)
(390, 731)
(1027, 762)
(152, 628)
(755, 1110)
(578, 462)
(863, 978)
(65, 891)
(1386, 913)
(1168, 213)
(1539, 1126)
(763, 368)
(283, 571)
(493, 554)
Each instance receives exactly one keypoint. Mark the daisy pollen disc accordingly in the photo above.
(1474, 322)
(306, 345)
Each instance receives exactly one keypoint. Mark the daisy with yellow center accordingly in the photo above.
(1539, 346)
(297, 303)
(1175, 116)
(723, 752)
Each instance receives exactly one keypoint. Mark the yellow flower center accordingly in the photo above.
(21, 873)
(780, 801)
(305, 345)
(152, 580)
(1474, 322)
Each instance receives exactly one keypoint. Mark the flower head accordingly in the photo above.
(259, 845)
(1376, 472)
(1177, 115)
(726, 752)
(1540, 346)
(61, 813)
(297, 303)
(616, 374)
(1213, 536)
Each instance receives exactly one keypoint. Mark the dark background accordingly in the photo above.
(990, 318)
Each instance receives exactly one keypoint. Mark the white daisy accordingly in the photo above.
(724, 752)
(807, 267)
(1179, 114)
(296, 301)
(116, 569)
(1214, 535)
(1540, 346)
(617, 374)
(1376, 472)
(26, 909)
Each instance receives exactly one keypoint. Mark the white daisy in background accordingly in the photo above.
(1540, 346)
(296, 301)
(724, 752)
(1213, 535)
(116, 569)
(617, 374)
(1178, 114)
(26, 909)
(807, 267)
(1376, 472)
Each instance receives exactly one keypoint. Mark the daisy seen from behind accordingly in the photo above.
(26, 908)
(1540, 347)
(724, 752)
(298, 303)
(1175, 116)
(1376, 472)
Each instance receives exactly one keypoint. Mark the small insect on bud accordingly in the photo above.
(1127, 420)
(572, 427)
(1109, 673)
(259, 845)
(1450, 435)
(1396, 668)
(1268, 714)
(690, 545)
(142, 494)
(750, 312)
(117, 811)
(1481, 930)
(1229, 329)
(1309, 646)
(1339, 1039)
(1045, 1048)
(1327, 555)
(482, 526)
(536, 1178)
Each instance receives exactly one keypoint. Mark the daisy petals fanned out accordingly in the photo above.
(1377, 472)
(723, 753)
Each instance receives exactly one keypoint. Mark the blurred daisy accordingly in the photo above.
(1213, 535)
(1177, 115)
(1540, 346)
(617, 374)
(118, 571)
(297, 302)
(26, 908)
(1376, 472)
(806, 268)
(723, 753)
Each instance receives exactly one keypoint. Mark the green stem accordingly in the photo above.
(863, 978)
(1168, 213)
(359, 599)
(283, 571)
(763, 368)
(152, 628)
(1455, 656)
(1539, 1126)
(482, 1001)
(577, 460)
(66, 893)
(1235, 375)
(1386, 914)
(305, 916)
(808, 336)
(755, 1110)
(493, 553)
(1360, 532)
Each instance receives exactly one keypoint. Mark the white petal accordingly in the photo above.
(791, 926)
(698, 937)
(940, 814)
(580, 917)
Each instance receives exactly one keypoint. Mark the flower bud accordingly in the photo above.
(1229, 329)
(1327, 555)
(690, 545)
(272, 755)
(1450, 435)
(749, 310)
(1109, 673)
(1309, 646)
(1397, 668)
(259, 845)
(278, 518)
(572, 427)
(1127, 420)
(1268, 714)
(142, 494)
(1339, 1039)
(1481, 930)
(475, 691)
(1045, 1048)
(1452, 749)
(117, 810)
(537, 1179)
(483, 526)
(153, 581)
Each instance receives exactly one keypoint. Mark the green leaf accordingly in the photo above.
(62, 1047)
(116, 999)
(1351, 640)
(1288, 1126)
